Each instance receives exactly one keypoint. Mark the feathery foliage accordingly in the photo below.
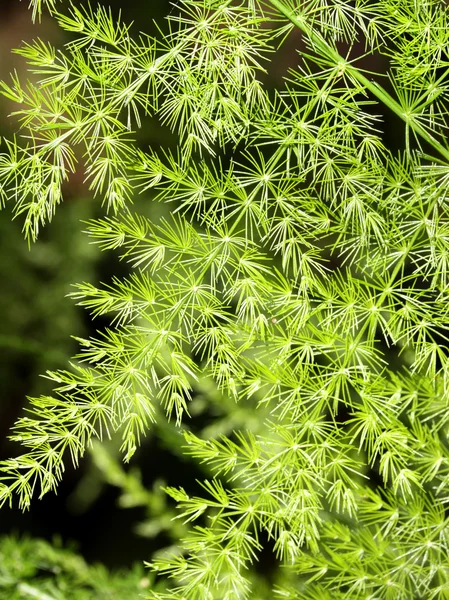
(303, 271)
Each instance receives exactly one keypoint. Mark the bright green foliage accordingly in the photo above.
(38, 6)
(35, 569)
(303, 271)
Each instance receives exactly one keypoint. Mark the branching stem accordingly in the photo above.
(376, 89)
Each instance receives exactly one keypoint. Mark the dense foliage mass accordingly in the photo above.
(39, 570)
(298, 284)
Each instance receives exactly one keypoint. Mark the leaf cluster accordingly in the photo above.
(33, 568)
(302, 270)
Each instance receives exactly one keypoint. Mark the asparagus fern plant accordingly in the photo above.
(302, 272)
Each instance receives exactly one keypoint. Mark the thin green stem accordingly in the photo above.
(391, 279)
(377, 90)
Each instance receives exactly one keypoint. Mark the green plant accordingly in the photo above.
(43, 571)
(302, 273)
